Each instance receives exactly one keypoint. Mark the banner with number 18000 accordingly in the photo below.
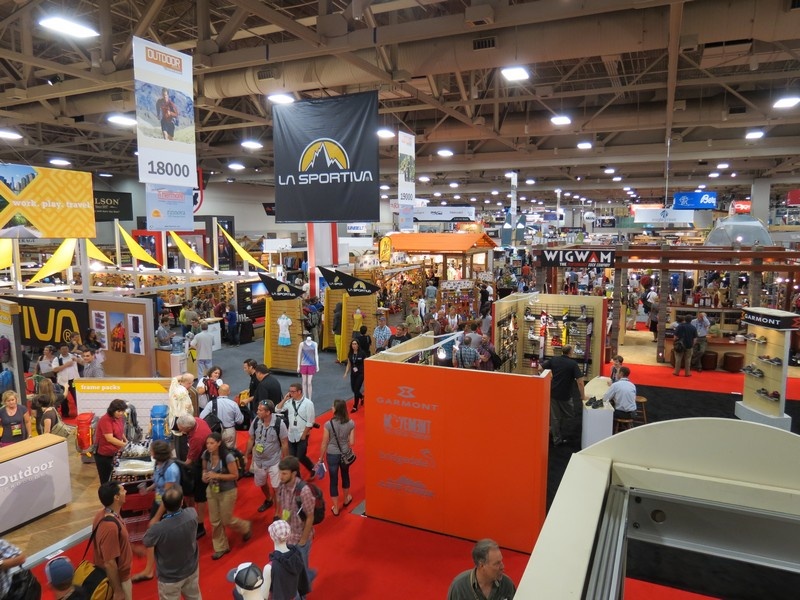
(164, 115)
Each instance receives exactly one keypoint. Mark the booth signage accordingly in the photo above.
(793, 198)
(355, 286)
(51, 321)
(113, 205)
(357, 228)
(570, 229)
(694, 200)
(741, 207)
(279, 290)
(446, 214)
(332, 278)
(385, 249)
(326, 160)
(663, 215)
(772, 319)
(607, 222)
(169, 208)
(406, 180)
(577, 258)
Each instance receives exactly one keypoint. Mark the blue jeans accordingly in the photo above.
(305, 551)
(334, 464)
(202, 367)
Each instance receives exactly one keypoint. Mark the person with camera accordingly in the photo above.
(338, 437)
(300, 414)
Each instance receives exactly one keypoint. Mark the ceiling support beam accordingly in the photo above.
(144, 23)
(673, 53)
(722, 84)
(231, 27)
(273, 16)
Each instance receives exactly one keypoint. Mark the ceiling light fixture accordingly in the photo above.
(424, 179)
(445, 153)
(437, 194)
(60, 162)
(473, 199)
(560, 120)
(515, 73)
(789, 101)
(384, 186)
(453, 184)
(444, 202)
(530, 181)
(384, 196)
(627, 188)
(495, 192)
(5, 134)
(280, 98)
(123, 120)
(486, 201)
(584, 145)
(457, 197)
(713, 175)
(236, 166)
(104, 175)
(609, 170)
(616, 178)
(385, 133)
(723, 166)
(67, 27)
(754, 134)
(702, 186)
(252, 145)
(53, 79)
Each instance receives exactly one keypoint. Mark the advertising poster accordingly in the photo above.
(113, 205)
(37, 202)
(165, 115)
(169, 208)
(50, 321)
(99, 324)
(326, 160)
(406, 176)
(118, 335)
(135, 333)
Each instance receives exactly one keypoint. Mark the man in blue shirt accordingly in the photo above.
(701, 325)
(228, 412)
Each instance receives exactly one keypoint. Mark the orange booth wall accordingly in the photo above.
(458, 452)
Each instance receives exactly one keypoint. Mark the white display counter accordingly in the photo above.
(598, 423)
(34, 479)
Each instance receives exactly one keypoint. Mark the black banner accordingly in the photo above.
(279, 290)
(51, 321)
(355, 286)
(772, 319)
(113, 205)
(326, 160)
(579, 257)
(331, 278)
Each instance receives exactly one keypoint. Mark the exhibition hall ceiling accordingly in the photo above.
(664, 91)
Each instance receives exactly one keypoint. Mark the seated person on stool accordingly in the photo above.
(622, 395)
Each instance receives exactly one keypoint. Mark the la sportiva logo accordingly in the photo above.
(323, 162)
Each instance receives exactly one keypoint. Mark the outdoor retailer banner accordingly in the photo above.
(113, 205)
(51, 321)
(169, 208)
(279, 290)
(406, 178)
(37, 202)
(355, 286)
(165, 132)
(326, 160)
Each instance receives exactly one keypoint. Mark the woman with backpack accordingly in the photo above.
(220, 472)
(208, 386)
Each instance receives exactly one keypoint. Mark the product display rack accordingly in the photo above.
(506, 342)
(728, 319)
(282, 358)
(461, 293)
(766, 367)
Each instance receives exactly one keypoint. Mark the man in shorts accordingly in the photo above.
(266, 447)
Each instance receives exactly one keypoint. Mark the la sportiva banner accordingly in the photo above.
(332, 278)
(279, 290)
(355, 286)
(326, 160)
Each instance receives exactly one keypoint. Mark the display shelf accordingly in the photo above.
(461, 293)
(728, 319)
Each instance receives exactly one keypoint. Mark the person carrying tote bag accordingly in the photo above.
(338, 438)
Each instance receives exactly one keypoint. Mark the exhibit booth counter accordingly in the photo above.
(690, 485)
(438, 434)
(34, 479)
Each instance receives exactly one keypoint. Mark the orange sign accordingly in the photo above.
(453, 451)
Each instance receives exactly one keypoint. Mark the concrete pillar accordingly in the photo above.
(759, 196)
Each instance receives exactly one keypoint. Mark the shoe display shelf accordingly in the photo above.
(766, 367)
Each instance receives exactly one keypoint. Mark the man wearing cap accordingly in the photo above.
(287, 505)
(487, 579)
(175, 544)
(249, 581)
(59, 572)
(266, 449)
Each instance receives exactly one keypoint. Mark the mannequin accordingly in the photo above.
(307, 362)
(285, 572)
(358, 320)
(284, 322)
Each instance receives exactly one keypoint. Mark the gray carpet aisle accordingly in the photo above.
(327, 385)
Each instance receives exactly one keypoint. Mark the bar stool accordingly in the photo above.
(622, 424)
(733, 361)
(709, 360)
(641, 410)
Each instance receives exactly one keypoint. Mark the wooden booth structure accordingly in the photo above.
(421, 460)
(277, 357)
(461, 248)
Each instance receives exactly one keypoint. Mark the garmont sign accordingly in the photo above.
(577, 258)
(772, 319)
(51, 321)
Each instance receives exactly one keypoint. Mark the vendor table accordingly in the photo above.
(598, 423)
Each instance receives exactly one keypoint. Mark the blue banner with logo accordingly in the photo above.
(326, 160)
(694, 201)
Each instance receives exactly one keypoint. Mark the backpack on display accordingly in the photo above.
(6, 380)
(132, 430)
(5, 349)
(319, 501)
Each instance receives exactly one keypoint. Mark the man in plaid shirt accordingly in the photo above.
(290, 504)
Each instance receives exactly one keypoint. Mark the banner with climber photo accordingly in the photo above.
(326, 160)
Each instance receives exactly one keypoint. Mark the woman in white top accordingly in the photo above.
(208, 391)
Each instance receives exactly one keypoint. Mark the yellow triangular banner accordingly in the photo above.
(243, 254)
(95, 253)
(136, 250)
(6, 253)
(61, 260)
(187, 252)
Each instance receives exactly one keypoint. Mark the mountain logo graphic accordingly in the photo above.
(324, 154)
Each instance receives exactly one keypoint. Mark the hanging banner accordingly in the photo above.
(165, 115)
(385, 249)
(577, 258)
(279, 290)
(326, 160)
(406, 180)
(694, 200)
(663, 215)
(51, 321)
(169, 208)
(332, 278)
(355, 286)
(113, 205)
(37, 202)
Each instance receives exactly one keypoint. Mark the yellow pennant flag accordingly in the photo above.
(6, 253)
(243, 254)
(95, 253)
(136, 250)
(61, 260)
(187, 252)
